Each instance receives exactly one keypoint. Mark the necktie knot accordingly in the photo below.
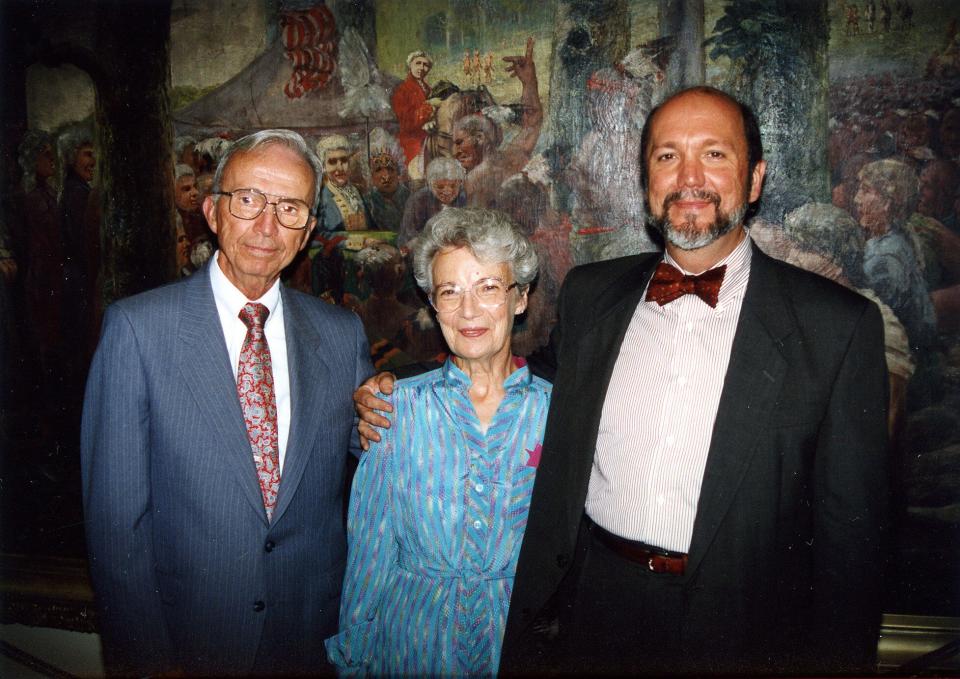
(254, 315)
(669, 283)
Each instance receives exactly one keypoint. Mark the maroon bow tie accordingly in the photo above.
(669, 283)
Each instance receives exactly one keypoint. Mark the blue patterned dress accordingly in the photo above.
(437, 514)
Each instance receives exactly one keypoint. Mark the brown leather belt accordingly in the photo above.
(654, 560)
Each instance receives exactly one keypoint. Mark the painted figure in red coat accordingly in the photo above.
(410, 105)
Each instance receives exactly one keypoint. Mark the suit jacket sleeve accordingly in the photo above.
(115, 458)
(851, 504)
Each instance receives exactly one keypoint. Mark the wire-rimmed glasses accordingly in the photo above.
(292, 213)
(489, 293)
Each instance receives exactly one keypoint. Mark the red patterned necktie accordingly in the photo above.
(259, 403)
(669, 283)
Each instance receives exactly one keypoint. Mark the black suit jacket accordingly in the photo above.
(785, 558)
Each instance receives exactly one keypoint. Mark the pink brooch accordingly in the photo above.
(534, 459)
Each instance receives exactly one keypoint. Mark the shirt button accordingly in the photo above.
(269, 545)
(258, 606)
(660, 499)
(478, 487)
(478, 524)
(689, 327)
(671, 440)
(681, 380)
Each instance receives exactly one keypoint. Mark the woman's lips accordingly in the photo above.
(472, 332)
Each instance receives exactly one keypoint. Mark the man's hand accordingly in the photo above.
(523, 67)
(367, 402)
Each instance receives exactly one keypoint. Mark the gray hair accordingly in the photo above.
(285, 138)
(332, 142)
(444, 168)
(418, 53)
(71, 138)
(897, 181)
(183, 170)
(488, 234)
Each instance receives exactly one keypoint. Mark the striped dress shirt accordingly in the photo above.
(659, 411)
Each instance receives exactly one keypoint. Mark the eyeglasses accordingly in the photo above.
(489, 293)
(292, 213)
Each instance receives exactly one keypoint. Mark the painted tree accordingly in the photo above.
(587, 36)
(778, 64)
(682, 20)
(131, 72)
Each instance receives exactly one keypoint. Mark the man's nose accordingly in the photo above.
(267, 222)
(691, 172)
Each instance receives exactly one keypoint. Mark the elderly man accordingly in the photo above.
(341, 205)
(711, 484)
(885, 201)
(444, 189)
(213, 487)
(476, 139)
(409, 102)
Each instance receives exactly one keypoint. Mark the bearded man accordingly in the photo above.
(711, 487)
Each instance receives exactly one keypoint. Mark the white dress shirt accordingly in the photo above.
(229, 303)
(659, 411)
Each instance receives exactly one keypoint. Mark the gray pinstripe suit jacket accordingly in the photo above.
(187, 571)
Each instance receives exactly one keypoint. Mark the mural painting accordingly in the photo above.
(535, 111)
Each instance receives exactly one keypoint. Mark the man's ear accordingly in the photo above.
(210, 212)
(756, 184)
(306, 233)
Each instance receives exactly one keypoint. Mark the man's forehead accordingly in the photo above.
(273, 161)
(693, 112)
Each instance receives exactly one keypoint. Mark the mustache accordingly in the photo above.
(691, 194)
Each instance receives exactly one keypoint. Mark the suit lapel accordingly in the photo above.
(309, 391)
(754, 378)
(205, 368)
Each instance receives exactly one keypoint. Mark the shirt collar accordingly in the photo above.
(737, 274)
(454, 377)
(230, 298)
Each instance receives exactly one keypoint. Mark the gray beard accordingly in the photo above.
(686, 235)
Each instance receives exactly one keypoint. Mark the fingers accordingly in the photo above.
(385, 382)
(529, 54)
(368, 400)
(367, 434)
(374, 419)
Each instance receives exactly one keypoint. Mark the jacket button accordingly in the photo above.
(268, 547)
(562, 560)
(258, 606)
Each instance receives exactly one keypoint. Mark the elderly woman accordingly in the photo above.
(444, 188)
(440, 504)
